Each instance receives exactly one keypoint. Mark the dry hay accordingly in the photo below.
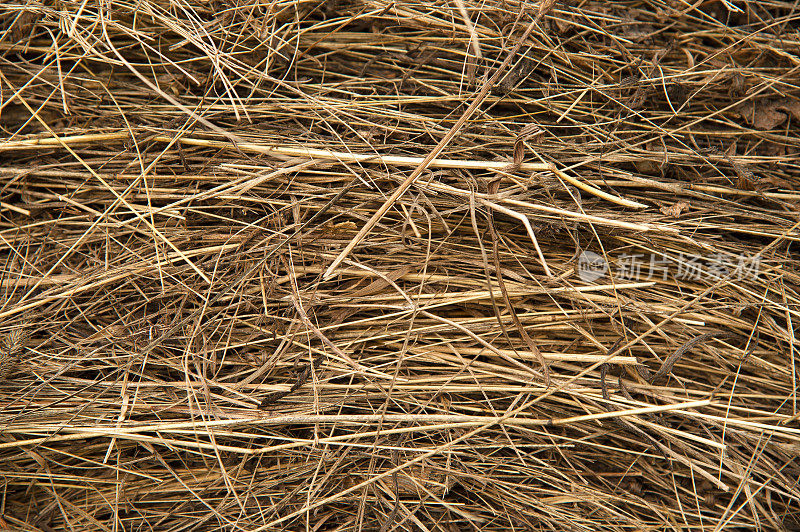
(177, 177)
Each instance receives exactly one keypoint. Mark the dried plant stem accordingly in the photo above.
(452, 132)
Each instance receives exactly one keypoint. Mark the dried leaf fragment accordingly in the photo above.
(769, 114)
(544, 7)
(531, 132)
(674, 211)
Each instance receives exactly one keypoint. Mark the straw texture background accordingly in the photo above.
(195, 335)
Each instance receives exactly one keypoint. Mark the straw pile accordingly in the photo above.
(581, 314)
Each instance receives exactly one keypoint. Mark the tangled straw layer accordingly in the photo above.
(581, 315)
